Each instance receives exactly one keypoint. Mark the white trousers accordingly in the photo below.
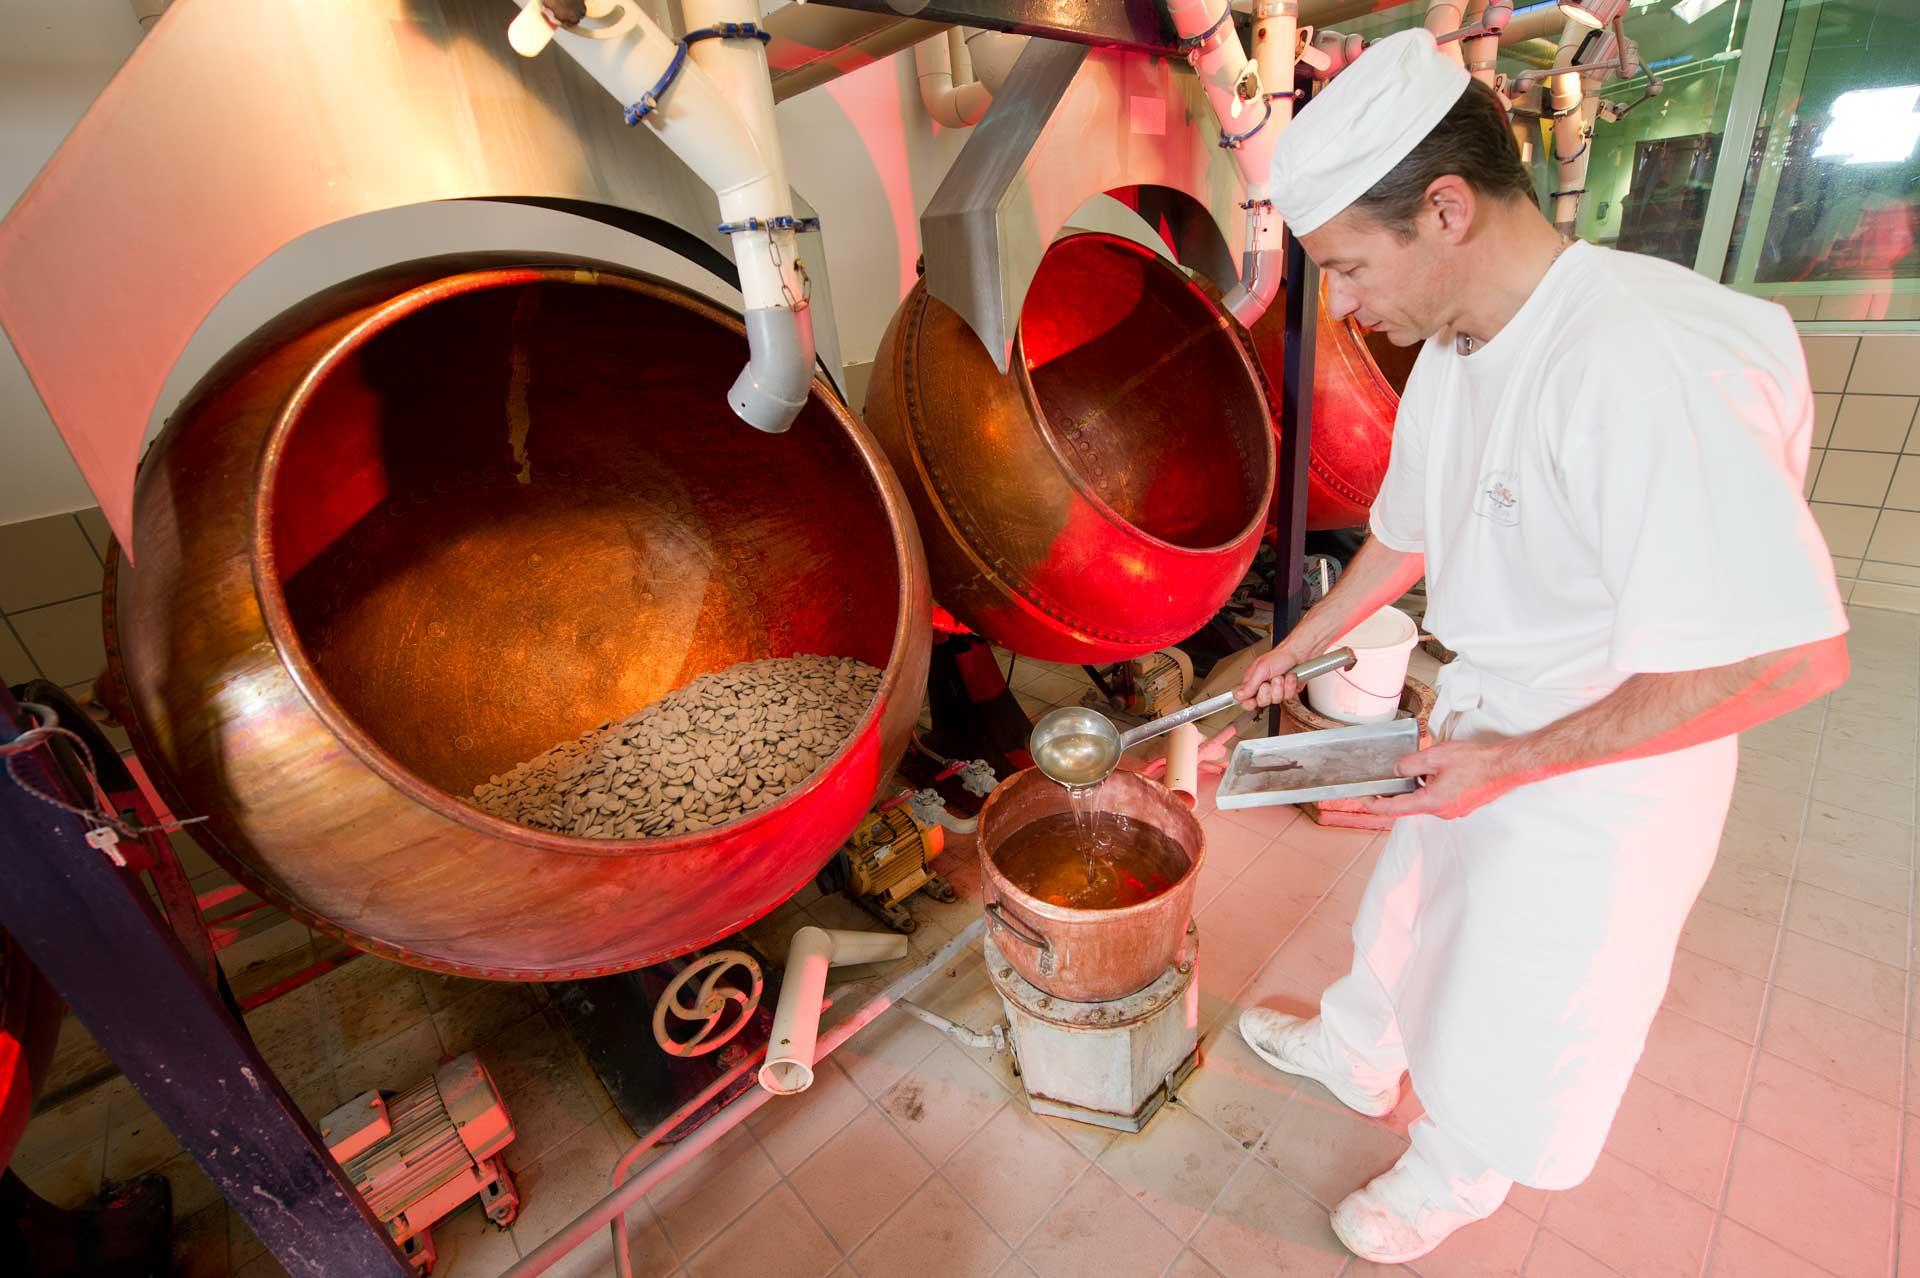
(1357, 1017)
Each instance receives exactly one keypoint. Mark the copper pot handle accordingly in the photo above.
(999, 918)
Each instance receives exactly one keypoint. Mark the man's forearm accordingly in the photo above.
(1653, 714)
(1374, 578)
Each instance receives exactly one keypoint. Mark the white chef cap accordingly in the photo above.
(1362, 124)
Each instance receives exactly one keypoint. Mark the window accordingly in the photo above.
(1829, 220)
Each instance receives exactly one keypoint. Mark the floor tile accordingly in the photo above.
(1853, 758)
(775, 1235)
(1232, 847)
(476, 1017)
(711, 1191)
(1234, 1090)
(1680, 1141)
(65, 639)
(1842, 979)
(77, 1123)
(791, 1128)
(1789, 770)
(1493, 1248)
(43, 561)
(1333, 846)
(1840, 1127)
(1729, 937)
(1872, 931)
(1770, 808)
(1759, 847)
(396, 1063)
(944, 1100)
(1325, 1148)
(1554, 1257)
(138, 1142)
(1096, 1229)
(70, 1179)
(1261, 1225)
(936, 1232)
(468, 1245)
(1738, 1252)
(1864, 794)
(1758, 894)
(1014, 1138)
(1854, 874)
(1627, 1219)
(1838, 827)
(1175, 1168)
(1269, 821)
(1528, 1201)
(1696, 1061)
(1909, 1243)
(1189, 1265)
(881, 1054)
(1910, 1163)
(1843, 1048)
(1717, 995)
(860, 1177)
(1808, 1208)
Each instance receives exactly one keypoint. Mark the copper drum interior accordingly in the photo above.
(1088, 955)
(1105, 496)
(1357, 380)
(436, 522)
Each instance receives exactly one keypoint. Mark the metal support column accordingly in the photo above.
(131, 985)
(1296, 439)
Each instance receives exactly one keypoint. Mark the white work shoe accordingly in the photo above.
(1395, 1220)
(1298, 1046)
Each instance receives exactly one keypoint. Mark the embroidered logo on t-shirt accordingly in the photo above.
(1498, 499)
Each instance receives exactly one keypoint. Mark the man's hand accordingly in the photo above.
(1460, 777)
(1269, 680)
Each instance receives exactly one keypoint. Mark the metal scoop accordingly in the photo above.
(1078, 747)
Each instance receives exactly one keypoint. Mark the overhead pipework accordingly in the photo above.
(708, 97)
(948, 90)
(1252, 100)
(956, 86)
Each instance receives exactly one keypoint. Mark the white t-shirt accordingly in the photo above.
(1612, 485)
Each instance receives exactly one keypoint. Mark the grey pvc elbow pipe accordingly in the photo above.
(1259, 285)
(773, 387)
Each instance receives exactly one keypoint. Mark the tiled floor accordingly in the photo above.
(1768, 1131)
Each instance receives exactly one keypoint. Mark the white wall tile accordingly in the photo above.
(1887, 365)
(1829, 359)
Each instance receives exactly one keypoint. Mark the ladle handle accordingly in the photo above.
(1326, 663)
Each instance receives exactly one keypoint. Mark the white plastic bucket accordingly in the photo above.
(1370, 692)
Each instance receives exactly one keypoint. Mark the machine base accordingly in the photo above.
(1111, 1064)
(1134, 1122)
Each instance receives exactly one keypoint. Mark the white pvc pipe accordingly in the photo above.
(993, 54)
(1183, 763)
(1574, 100)
(718, 118)
(1225, 74)
(803, 982)
(951, 102)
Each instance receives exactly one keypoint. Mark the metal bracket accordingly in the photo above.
(1072, 123)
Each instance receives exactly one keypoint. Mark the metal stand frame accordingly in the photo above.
(1296, 447)
(128, 980)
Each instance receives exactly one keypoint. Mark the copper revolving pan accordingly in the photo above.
(440, 518)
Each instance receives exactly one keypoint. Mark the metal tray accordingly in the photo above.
(1307, 767)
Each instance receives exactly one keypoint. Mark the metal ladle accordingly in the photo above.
(1078, 747)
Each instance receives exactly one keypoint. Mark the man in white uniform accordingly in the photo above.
(1597, 467)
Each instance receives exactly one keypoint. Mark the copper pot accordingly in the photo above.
(1103, 497)
(1087, 955)
(439, 519)
(1357, 380)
